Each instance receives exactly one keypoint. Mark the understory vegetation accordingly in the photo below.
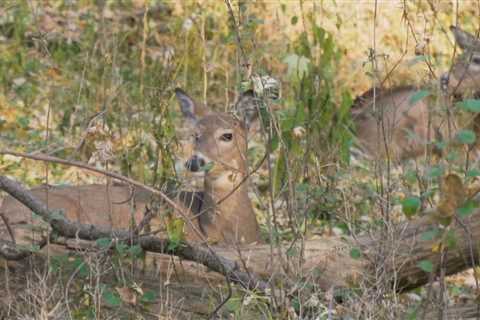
(94, 82)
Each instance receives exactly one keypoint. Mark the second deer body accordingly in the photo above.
(400, 126)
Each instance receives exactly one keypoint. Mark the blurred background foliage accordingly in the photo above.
(93, 79)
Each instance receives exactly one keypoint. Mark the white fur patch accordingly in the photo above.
(226, 180)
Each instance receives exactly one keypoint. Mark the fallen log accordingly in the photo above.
(326, 261)
(148, 243)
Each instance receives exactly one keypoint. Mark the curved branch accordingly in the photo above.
(186, 251)
(10, 251)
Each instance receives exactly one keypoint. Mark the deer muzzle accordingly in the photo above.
(195, 163)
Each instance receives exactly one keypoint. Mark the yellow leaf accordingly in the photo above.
(452, 196)
(437, 247)
(175, 229)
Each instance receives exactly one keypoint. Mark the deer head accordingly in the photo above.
(464, 76)
(220, 139)
(220, 150)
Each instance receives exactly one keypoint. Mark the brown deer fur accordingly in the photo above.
(400, 128)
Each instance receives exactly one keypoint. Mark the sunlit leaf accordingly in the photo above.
(473, 173)
(207, 167)
(135, 251)
(410, 206)
(355, 253)
(279, 173)
(466, 136)
(426, 266)
(417, 59)
(104, 243)
(451, 239)
(435, 172)
(467, 209)
(148, 297)
(111, 298)
(430, 234)
(175, 232)
(297, 65)
(419, 95)
(472, 105)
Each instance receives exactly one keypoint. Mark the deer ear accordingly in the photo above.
(247, 107)
(465, 40)
(187, 104)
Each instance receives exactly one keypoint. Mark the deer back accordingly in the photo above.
(394, 125)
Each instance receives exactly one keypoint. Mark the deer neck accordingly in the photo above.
(228, 212)
(227, 195)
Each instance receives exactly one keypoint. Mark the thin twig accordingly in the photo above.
(7, 225)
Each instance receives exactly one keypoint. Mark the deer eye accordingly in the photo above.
(476, 60)
(196, 137)
(226, 137)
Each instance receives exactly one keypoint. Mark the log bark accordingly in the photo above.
(460, 311)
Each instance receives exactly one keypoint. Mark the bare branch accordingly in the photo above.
(186, 251)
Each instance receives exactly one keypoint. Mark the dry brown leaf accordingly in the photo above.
(127, 295)
(452, 196)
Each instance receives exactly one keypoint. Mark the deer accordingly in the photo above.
(400, 126)
(222, 213)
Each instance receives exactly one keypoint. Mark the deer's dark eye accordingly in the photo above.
(476, 60)
(226, 137)
(196, 137)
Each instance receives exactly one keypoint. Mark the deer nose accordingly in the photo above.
(444, 82)
(195, 163)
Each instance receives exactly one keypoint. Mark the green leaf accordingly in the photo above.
(355, 253)
(297, 65)
(34, 248)
(81, 266)
(451, 239)
(292, 252)
(472, 105)
(294, 20)
(410, 176)
(233, 305)
(274, 142)
(207, 167)
(417, 59)
(467, 209)
(410, 206)
(412, 314)
(279, 172)
(135, 251)
(111, 298)
(419, 95)
(426, 266)
(472, 173)
(104, 243)
(121, 248)
(175, 233)
(466, 136)
(435, 172)
(430, 234)
(148, 296)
